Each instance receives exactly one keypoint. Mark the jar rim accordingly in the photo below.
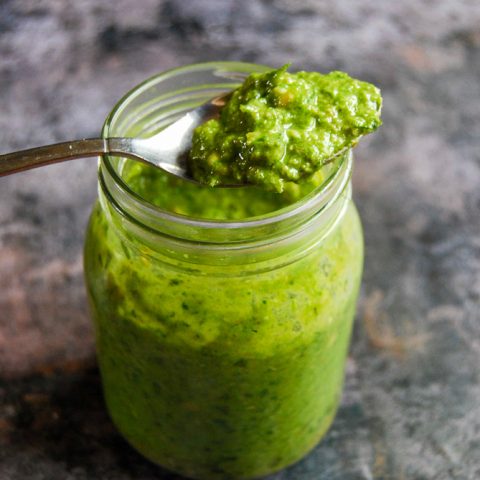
(139, 210)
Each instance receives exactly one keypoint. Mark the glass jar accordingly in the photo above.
(221, 344)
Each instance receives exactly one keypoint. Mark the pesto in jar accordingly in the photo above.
(229, 371)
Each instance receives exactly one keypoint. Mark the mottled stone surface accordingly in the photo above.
(411, 408)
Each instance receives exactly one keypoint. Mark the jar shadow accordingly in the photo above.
(56, 424)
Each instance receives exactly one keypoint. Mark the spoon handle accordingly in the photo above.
(48, 154)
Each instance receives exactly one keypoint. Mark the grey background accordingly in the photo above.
(411, 407)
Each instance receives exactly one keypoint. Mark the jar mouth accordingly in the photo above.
(145, 101)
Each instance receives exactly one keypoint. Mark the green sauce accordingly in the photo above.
(222, 377)
(281, 127)
(187, 198)
(225, 374)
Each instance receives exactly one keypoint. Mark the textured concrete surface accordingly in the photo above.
(411, 408)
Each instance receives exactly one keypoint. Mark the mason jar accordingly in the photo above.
(221, 343)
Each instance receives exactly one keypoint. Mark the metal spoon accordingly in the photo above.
(166, 150)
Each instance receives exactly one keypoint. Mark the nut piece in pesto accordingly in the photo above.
(281, 127)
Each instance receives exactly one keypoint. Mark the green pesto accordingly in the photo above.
(186, 198)
(282, 127)
(222, 377)
(229, 375)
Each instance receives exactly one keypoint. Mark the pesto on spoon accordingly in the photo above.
(280, 127)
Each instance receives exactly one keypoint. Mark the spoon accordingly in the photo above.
(166, 150)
